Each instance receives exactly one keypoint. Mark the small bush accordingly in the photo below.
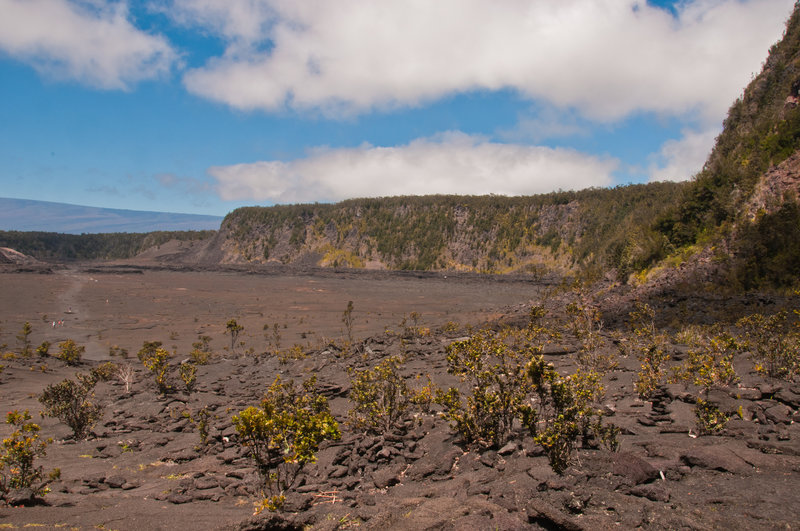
(284, 434)
(347, 320)
(116, 350)
(43, 350)
(381, 396)
(710, 360)
(19, 453)
(105, 371)
(493, 364)
(710, 420)
(200, 420)
(201, 350)
(156, 360)
(773, 347)
(70, 353)
(70, 402)
(649, 346)
(562, 412)
(188, 372)
(294, 353)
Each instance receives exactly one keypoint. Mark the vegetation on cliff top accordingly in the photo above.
(57, 246)
(595, 228)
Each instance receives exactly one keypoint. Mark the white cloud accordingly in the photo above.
(607, 58)
(449, 163)
(681, 159)
(89, 41)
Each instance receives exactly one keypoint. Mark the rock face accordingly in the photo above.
(10, 256)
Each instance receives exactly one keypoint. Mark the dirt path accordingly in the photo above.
(75, 316)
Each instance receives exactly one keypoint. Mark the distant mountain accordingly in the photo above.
(44, 216)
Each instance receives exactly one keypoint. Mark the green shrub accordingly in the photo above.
(156, 360)
(773, 347)
(70, 353)
(105, 371)
(381, 396)
(294, 353)
(284, 434)
(24, 339)
(43, 350)
(188, 372)
(649, 346)
(19, 453)
(562, 412)
(70, 402)
(200, 420)
(493, 364)
(710, 360)
(710, 420)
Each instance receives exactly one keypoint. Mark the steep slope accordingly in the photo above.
(743, 202)
(564, 231)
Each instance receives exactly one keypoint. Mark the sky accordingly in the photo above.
(202, 106)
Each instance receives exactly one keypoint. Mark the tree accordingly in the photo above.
(233, 328)
(24, 339)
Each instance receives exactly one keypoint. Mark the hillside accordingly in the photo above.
(563, 232)
(52, 246)
(744, 201)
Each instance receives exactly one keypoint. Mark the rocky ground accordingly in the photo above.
(146, 467)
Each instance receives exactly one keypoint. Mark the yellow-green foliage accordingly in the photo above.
(493, 364)
(188, 373)
(710, 359)
(649, 346)
(156, 360)
(70, 353)
(19, 453)
(477, 233)
(72, 402)
(335, 257)
(585, 324)
(710, 420)
(296, 352)
(283, 435)
(563, 411)
(381, 396)
(234, 329)
(774, 347)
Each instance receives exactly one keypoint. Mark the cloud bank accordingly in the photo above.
(448, 164)
(606, 58)
(91, 42)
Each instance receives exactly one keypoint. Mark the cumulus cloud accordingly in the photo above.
(606, 58)
(681, 159)
(89, 41)
(449, 163)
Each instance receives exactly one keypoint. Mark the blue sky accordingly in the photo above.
(201, 106)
